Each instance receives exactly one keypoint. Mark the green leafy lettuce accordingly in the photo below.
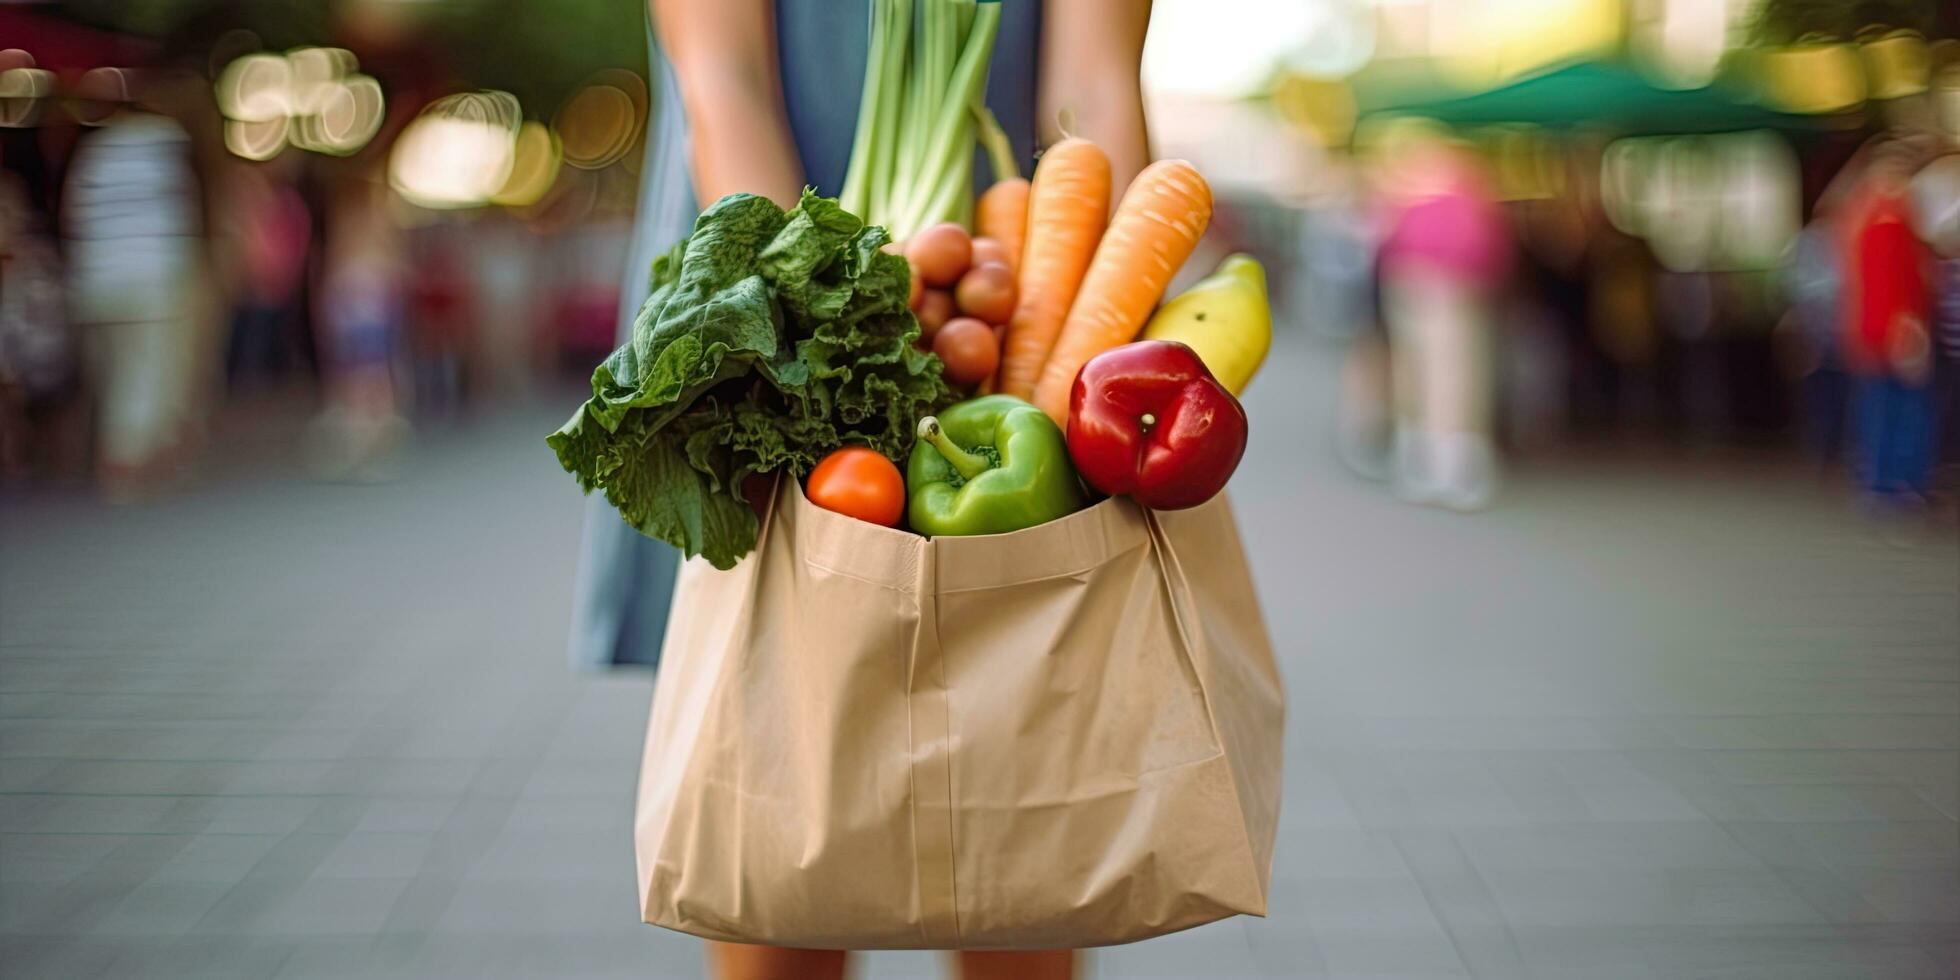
(770, 338)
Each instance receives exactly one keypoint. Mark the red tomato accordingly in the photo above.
(861, 483)
(969, 349)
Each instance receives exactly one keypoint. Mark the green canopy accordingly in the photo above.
(1594, 95)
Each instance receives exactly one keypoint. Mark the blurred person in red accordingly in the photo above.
(1887, 333)
(267, 232)
(132, 225)
(441, 318)
(1446, 253)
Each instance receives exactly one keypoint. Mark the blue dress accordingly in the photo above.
(626, 580)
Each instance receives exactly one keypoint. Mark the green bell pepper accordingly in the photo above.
(988, 466)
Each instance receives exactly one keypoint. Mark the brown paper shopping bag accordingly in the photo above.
(1065, 736)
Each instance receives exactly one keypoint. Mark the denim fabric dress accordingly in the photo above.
(626, 580)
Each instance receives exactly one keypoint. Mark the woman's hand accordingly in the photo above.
(1091, 57)
(724, 57)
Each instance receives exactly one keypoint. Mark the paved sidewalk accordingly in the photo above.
(1644, 720)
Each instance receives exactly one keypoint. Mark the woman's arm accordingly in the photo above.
(724, 56)
(1091, 54)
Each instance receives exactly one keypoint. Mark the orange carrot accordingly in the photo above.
(1154, 229)
(1067, 205)
(1002, 214)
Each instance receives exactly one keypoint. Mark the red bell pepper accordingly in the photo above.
(1147, 419)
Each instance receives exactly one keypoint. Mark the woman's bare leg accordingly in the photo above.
(739, 961)
(1001, 964)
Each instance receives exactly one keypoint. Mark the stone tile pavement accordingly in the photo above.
(1653, 717)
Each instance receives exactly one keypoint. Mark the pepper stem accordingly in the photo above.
(969, 465)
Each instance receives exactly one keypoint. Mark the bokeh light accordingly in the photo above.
(1186, 36)
(596, 127)
(1680, 43)
(345, 118)
(534, 166)
(459, 152)
(256, 88)
(24, 92)
(1724, 202)
(1480, 44)
(1897, 64)
(257, 140)
(312, 98)
(1812, 76)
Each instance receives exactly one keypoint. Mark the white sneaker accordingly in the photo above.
(1464, 471)
(1415, 479)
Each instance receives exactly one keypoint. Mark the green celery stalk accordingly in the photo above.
(939, 49)
(945, 171)
(967, 10)
(860, 176)
(1000, 150)
(924, 87)
(866, 181)
(891, 104)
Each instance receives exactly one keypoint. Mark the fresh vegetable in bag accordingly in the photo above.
(989, 466)
(770, 339)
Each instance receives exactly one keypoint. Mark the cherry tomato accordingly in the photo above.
(969, 349)
(912, 300)
(941, 253)
(987, 250)
(934, 308)
(986, 292)
(860, 483)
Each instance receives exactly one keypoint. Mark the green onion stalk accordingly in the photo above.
(925, 80)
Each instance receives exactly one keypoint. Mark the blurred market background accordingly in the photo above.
(290, 293)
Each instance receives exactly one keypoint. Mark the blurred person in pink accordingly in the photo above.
(131, 221)
(1446, 252)
(1887, 333)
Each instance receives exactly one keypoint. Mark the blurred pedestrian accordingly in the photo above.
(1813, 285)
(1936, 211)
(131, 224)
(268, 233)
(361, 306)
(1446, 254)
(1888, 339)
(37, 351)
(440, 323)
